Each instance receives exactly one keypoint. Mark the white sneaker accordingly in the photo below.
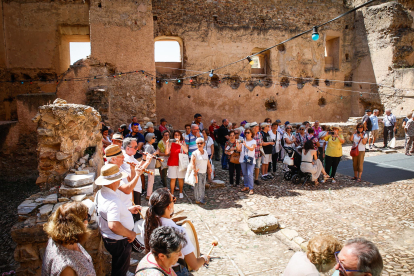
(333, 181)
(177, 188)
(322, 181)
(181, 195)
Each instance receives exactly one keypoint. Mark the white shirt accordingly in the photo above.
(299, 265)
(189, 247)
(201, 161)
(110, 207)
(277, 138)
(245, 150)
(125, 198)
(321, 140)
(361, 146)
(286, 135)
(389, 120)
(127, 168)
(208, 144)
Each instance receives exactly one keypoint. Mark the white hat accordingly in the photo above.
(264, 124)
(109, 174)
(253, 124)
(247, 125)
(149, 124)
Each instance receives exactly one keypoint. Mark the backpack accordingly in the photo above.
(369, 123)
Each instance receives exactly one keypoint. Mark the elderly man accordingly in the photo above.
(211, 129)
(390, 126)
(114, 155)
(115, 219)
(359, 257)
(223, 136)
(117, 139)
(373, 135)
(316, 128)
(190, 139)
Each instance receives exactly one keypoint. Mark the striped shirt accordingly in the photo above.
(190, 140)
(259, 140)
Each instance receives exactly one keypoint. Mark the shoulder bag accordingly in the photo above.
(182, 161)
(147, 268)
(235, 157)
(247, 159)
(355, 150)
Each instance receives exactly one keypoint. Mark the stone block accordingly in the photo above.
(45, 132)
(57, 206)
(45, 210)
(79, 180)
(62, 156)
(263, 224)
(28, 231)
(63, 199)
(72, 191)
(289, 233)
(298, 240)
(27, 206)
(51, 199)
(78, 198)
(26, 253)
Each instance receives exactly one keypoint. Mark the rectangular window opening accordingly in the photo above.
(332, 53)
(79, 50)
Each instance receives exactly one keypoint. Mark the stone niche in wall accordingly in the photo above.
(69, 138)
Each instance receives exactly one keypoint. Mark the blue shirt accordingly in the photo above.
(374, 122)
(190, 140)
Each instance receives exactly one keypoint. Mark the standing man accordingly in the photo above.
(316, 128)
(134, 121)
(223, 135)
(373, 135)
(409, 135)
(367, 123)
(191, 138)
(197, 121)
(389, 126)
(140, 143)
(267, 148)
(259, 142)
(115, 219)
(211, 129)
(163, 123)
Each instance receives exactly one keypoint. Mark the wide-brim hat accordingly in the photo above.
(337, 127)
(112, 151)
(253, 124)
(109, 174)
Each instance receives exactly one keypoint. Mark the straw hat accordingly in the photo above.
(117, 136)
(109, 174)
(149, 124)
(113, 151)
(337, 127)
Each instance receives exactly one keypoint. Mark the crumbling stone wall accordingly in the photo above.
(64, 132)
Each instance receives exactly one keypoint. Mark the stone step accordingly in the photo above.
(72, 191)
(79, 180)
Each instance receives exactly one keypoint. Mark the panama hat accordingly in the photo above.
(109, 174)
(337, 127)
(117, 136)
(253, 124)
(113, 151)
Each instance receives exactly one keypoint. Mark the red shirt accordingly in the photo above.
(173, 159)
(211, 129)
(162, 128)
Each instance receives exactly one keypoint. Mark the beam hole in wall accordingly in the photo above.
(271, 105)
(322, 102)
(159, 84)
(300, 83)
(268, 83)
(348, 80)
(234, 82)
(346, 27)
(169, 98)
(250, 86)
(315, 82)
(154, 18)
(347, 57)
(327, 82)
(188, 96)
(281, 48)
(194, 82)
(214, 81)
(99, 5)
(284, 82)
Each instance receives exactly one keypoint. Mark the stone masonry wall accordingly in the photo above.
(65, 131)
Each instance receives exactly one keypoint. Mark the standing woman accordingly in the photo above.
(201, 166)
(67, 229)
(164, 149)
(359, 138)
(247, 149)
(276, 137)
(290, 140)
(333, 151)
(173, 162)
(230, 148)
(149, 148)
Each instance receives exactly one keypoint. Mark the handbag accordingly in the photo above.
(182, 161)
(355, 150)
(235, 158)
(189, 176)
(288, 160)
(213, 171)
(247, 159)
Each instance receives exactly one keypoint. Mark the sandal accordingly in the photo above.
(245, 189)
(358, 180)
(354, 178)
(251, 192)
(326, 176)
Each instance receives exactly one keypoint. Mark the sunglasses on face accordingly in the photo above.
(247, 133)
(136, 147)
(166, 134)
(360, 127)
(341, 266)
(289, 128)
(301, 129)
(200, 143)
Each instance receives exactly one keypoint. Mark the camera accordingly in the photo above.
(172, 140)
(331, 133)
(241, 141)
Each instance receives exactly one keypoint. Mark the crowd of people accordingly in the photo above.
(250, 153)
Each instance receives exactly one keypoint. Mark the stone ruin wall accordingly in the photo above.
(69, 144)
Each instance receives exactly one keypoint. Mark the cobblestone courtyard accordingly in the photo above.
(381, 213)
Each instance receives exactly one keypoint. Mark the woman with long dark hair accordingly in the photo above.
(173, 172)
(159, 214)
(311, 163)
